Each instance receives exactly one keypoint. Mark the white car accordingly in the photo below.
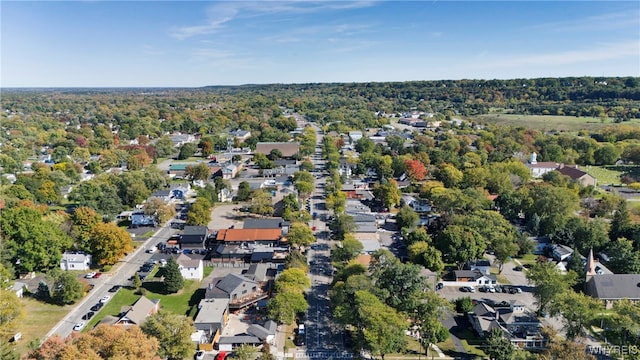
(105, 299)
(90, 275)
(79, 326)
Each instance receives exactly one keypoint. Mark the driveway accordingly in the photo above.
(224, 216)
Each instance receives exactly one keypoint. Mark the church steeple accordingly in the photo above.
(590, 267)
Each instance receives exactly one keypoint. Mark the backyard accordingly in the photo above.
(39, 318)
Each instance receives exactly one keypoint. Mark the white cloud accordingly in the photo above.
(222, 13)
(597, 53)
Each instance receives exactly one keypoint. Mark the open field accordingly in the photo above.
(549, 122)
(604, 174)
(39, 318)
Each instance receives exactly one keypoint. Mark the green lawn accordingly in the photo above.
(550, 122)
(604, 175)
(39, 318)
(179, 303)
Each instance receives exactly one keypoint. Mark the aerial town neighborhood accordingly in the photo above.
(413, 233)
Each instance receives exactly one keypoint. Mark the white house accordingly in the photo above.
(190, 268)
(75, 261)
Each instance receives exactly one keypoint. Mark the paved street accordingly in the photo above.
(119, 275)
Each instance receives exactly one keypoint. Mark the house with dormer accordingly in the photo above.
(240, 290)
(139, 312)
(515, 321)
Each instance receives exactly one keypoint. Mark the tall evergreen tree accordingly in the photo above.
(173, 280)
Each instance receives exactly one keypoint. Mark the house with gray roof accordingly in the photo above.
(520, 326)
(240, 290)
(613, 287)
(264, 333)
(75, 261)
(229, 343)
(212, 316)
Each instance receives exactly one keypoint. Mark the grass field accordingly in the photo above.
(604, 174)
(549, 122)
(39, 319)
(179, 303)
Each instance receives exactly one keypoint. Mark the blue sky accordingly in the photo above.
(199, 43)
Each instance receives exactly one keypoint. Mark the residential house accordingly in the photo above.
(180, 139)
(139, 218)
(286, 166)
(355, 136)
(277, 223)
(561, 252)
(369, 241)
(521, 327)
(264, 333)
(194, 237)
(230, 343)
(240, 290)
(482, 265)
(288, 149)
(225, 195)
(138, 313)
(164, 195)
(190, 268)
(75, 261)
(230, 170)
(473, 277)
(212, 317)
(18, 288)
(241, 135)
(578, 175)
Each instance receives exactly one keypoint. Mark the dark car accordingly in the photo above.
(439, 286)
(97, 307)
(114, 288)
(518, 268)
(299, 340)
(88, 315)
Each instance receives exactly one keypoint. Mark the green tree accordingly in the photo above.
(187, 150)
(401, 285)
(261, 203)
(406, 218)
(198, 172)
(346, 250)
(173, 280)
(505, 248)
(388, 192)
(164, 147)
(341, 225)
(173, 333)
(427, 320)
(464, 305)
(199, 213)
(422, 253)
(262, 161)
(607, 154)
(136, 281)
(83, 220)
(7, 351)
(382, 328)
(284, 306)
(300, 235)
(245, 352)
(449, 175)
(549, 284)
(623, 259)
(460, 244)
(11, 313)
(36, 244)
(578, 311)
(66, 289)
(292, 279)
(499, 347)
(244, 191)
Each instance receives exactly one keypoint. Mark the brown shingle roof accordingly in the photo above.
(571, 172)
(249, 235)
(286, 148)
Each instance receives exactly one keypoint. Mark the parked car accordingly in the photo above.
(299, 340)
(467, 289)
(97, 275)
(114, 288)
(97, 307)
(88, 315)
(221, 355)
(439, 286)
(105, 299)
(90, 275)
(199, 355)
(79, 326)
(517, 268)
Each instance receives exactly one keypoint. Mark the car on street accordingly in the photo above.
(97, 275)
(114, 288)
(199, 355)
(79, 326)
(221, 355)
(97, 307)
(105, 299)
(299, 340)
(517, 268)
(90, 275)
(88, 315)
(439, 286)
